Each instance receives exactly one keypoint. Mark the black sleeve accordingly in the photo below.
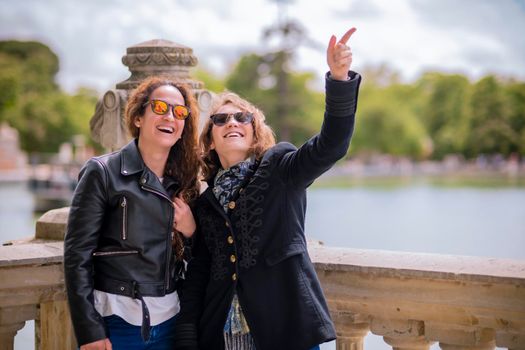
(317, 155)
(83, 229)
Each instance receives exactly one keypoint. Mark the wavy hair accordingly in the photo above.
(183, 160)
(263, 135)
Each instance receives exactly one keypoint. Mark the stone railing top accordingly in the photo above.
(31, 253)
(419, 265)
(376, 262)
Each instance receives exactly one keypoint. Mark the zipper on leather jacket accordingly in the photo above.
(116, 253)
(124, 206)
(169, 240)
(157, 193)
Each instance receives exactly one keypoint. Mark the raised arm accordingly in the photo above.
(303, 166)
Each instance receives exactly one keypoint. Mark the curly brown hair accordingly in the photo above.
(183, 160)
(263, 136)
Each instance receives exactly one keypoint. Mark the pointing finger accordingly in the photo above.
(347, 35)
(331, 45)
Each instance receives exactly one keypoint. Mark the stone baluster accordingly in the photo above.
(351, 330)
(53, 327)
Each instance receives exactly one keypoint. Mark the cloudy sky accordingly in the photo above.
(473, 37)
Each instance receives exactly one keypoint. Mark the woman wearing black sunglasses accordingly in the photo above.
(124, 242)
(251, 284)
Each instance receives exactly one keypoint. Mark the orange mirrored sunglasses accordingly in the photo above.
(160, 107)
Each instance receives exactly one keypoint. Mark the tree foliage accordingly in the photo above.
(490, 130)
(385, 123)
(437, 115)
(445, 112)
(32, 102)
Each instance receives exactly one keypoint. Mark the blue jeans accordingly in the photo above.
(315, 348)
(127, 336)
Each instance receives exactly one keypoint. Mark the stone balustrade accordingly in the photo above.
(414, 300)
(411, 300)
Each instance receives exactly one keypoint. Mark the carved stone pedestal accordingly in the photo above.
(154, 57)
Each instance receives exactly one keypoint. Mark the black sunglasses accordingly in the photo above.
(221, 119)
(160, 107)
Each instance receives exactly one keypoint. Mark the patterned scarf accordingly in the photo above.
(228, 181)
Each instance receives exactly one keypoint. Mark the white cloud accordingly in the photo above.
(90, 37)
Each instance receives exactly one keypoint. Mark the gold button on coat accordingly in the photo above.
(231, 205)
(230, 239)
(233, 258)
(234, 277)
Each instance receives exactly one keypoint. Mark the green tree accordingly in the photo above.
(31, 101)
(490, 130)
(515, 92)
(10, 81)
(386, 123)
(46, 121)
(445, 111)
(37, 63)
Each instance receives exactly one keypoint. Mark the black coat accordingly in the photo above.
(259, 249)
(119, 236)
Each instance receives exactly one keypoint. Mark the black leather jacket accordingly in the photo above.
(119, 237)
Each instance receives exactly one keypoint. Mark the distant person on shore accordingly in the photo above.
(251, 284)
(128, 221)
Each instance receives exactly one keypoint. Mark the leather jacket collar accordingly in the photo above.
(132, 163)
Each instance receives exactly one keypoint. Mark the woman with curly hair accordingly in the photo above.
(128, 221)
(251, 284)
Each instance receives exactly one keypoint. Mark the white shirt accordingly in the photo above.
(160, 308)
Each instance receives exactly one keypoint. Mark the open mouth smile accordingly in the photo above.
(166, 129)
(232, 134)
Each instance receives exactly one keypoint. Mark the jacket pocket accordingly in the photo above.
(124, 221)
(285, 253)
(108, 253)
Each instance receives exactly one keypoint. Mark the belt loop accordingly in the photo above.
(134, 289)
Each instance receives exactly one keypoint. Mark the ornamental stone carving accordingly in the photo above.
(154, 57)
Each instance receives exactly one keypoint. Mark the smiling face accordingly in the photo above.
(232, 141)
(161, 131)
